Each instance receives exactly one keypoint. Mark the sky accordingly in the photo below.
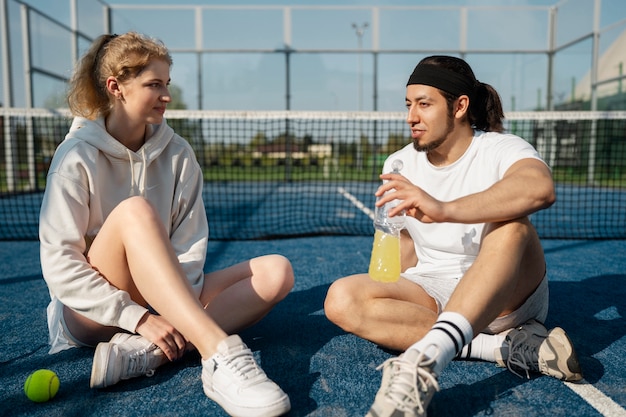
(326, 70)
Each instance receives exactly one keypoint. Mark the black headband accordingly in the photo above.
(443, 79)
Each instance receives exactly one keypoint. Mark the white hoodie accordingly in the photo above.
(90, 174)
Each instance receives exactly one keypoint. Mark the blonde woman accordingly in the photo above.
(123, 234)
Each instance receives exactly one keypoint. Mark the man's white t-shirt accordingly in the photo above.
(449, 249)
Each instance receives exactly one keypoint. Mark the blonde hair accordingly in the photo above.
(121, 56)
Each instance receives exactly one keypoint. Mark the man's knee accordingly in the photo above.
(512, 232)
(338, 303)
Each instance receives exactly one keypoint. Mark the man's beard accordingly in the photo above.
(429, 146)
(436, 143)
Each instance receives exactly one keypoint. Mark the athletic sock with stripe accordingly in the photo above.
(483, 347)
(445, 339)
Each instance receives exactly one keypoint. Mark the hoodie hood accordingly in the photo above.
(94, 133)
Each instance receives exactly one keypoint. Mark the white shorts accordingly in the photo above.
(535, 306)
(59, 337)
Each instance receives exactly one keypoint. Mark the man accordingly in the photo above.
(474, 283)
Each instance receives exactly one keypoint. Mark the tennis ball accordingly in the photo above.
(41, 386)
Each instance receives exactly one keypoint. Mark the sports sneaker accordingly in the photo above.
(232, 378)
(532, 348)
(125, 356)
(407, 386)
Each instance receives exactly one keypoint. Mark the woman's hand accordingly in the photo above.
(160, 332)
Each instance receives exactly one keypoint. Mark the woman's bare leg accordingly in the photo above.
(254, 287)
(133, 252)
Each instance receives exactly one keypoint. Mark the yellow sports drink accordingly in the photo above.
(385, 260)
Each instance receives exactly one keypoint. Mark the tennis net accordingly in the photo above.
(282, 174)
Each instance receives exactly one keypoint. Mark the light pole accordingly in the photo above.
(359, 34)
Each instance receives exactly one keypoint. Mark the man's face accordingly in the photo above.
(428, 117)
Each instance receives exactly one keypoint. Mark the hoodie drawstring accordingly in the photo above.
(132, 173)
(142, 185)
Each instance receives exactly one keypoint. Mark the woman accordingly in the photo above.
(123, 234)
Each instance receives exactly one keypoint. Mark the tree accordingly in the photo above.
(177, 103)
(56, 100)
(258, 140)
(396, 141)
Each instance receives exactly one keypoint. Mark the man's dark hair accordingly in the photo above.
(485, 110)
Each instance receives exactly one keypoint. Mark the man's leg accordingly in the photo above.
(510, 265)
(394, 315)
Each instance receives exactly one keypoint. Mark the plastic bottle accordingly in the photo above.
(385, 259)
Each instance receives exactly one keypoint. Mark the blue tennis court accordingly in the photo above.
(325, 371)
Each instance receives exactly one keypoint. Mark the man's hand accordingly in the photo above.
(413, 200)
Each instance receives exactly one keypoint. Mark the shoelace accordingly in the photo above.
(522, 355)
(403, 387)
(138, 363)
(243, 365)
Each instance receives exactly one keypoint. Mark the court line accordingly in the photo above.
(597, 399)
(358, 204)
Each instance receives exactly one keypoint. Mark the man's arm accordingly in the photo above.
(525, 188)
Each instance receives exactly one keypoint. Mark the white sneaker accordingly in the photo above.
(125, 356)
(232, 378)
(407, 386)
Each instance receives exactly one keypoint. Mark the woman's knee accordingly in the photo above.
(132, 214)
(135, 208)
(278, 277)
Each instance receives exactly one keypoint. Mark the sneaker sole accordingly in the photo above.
(278, 408)
(563, 363)
(100, 365)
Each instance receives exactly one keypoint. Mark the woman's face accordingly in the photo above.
(145, 97)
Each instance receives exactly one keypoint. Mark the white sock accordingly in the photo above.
(482, 347)
(445, 339)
